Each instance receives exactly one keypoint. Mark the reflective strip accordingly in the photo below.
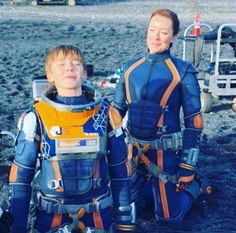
(13, 173)
(125, 228)
(56, 222)
(162, 186)
(187, 166)
(174, 82)
(57, 174)
(127, 73)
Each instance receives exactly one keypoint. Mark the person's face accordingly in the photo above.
(67, 74)
(159, 34)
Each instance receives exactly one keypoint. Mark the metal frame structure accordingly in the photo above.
(216, 83)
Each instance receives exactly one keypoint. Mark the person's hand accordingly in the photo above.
(6, 221)
(185, 177)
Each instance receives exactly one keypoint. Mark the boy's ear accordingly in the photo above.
(49, 77)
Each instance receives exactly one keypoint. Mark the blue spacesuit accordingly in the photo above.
(77, 144)
(152, 90)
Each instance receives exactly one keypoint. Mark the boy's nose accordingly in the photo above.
(69, 66)
(157, 35)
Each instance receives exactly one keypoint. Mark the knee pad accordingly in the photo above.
(198, 186)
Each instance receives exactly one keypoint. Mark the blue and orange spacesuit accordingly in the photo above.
(152, 91)
(75, 141)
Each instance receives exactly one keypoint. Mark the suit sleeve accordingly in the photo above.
(22, 171)
(119, 101)
(192, 119)
(120, 170)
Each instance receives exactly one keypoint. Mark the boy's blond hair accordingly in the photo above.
(62, 52)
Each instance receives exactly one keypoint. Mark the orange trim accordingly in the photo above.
(160, 121)
(114, 118)
(198, 122)
(63, 119)
(81, 226)
(41, 145)
(97, 219)
(170, 88)
(128, 166)
(81, 212)
(13, 173)
(57, 173)
(162, 186)
(143, 157)
(186, 179)
(56, 222)
(130, 151)
(41, 133)
(145, 160)
(96, 173)
(127, 73)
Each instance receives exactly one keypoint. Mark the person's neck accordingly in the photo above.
(69, 92)
(158, 56)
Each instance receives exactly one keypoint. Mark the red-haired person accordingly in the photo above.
(152, 90)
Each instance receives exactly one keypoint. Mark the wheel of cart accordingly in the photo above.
(217, 68)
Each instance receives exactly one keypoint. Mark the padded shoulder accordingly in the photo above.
(28, 123)
(183, 67)
(131, 62)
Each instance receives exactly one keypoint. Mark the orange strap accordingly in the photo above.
(162, 186)
(170, 88)
(186, 179)
(143, 150)
(174, 82)
(115, 118)
(56, 222)
(80, 214)
(57, 174)
(97, 219)
(96, 173)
